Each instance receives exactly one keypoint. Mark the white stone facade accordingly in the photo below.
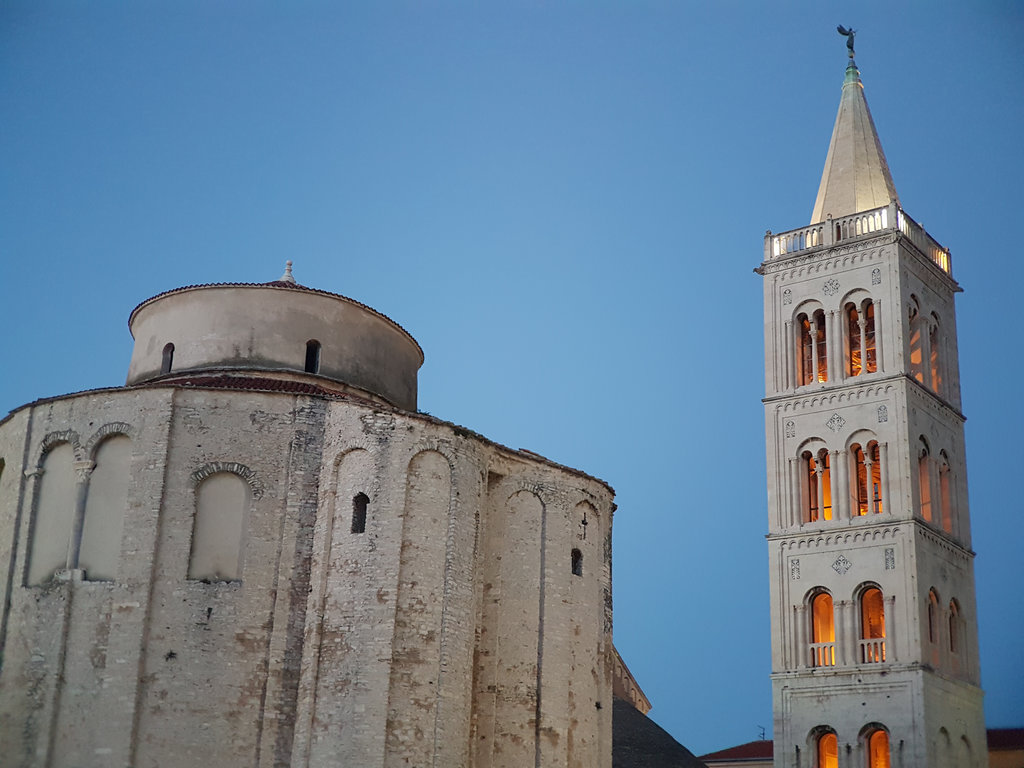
(277, 571)
(867, 499)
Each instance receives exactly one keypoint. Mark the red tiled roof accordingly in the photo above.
(752, 750)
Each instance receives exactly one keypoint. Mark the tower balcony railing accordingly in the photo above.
(833, 231)
(872, 651)
(823, 654)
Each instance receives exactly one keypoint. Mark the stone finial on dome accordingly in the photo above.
(287, 276)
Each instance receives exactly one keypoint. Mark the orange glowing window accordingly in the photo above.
(933, 350)
(867, 479)
(812, 348)
(823, 631)
(818, 486)
(878, 749)
(828, 751)
(872, 626)
(924, 480)
(945, 494)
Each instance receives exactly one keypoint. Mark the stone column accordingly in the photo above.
(862, 343)
(868, 473)
(841, 488)
(883, 472)
(878, 334)
(801, 637)
(787, 356)
(83, 469)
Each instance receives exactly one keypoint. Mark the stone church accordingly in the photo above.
(257, 552)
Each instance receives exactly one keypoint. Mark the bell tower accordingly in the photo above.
(874, 632)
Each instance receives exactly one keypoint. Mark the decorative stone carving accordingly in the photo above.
(836, 422)
(890, 559)
(790, 429)
(794, 569)
(841, 565)
(831, 287)
(787, 296)
(883, 414)
(876, 276)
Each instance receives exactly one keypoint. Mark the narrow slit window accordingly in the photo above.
(168, 359)
(359, 503)
(577, 563)
(312, 356)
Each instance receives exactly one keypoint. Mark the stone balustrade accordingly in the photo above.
(833, 231)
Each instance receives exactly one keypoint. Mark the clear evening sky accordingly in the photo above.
(563, 202)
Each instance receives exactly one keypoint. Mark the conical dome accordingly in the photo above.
(856, 176)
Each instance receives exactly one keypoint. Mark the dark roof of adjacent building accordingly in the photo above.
(639, 742)
(752, 750)
(998, 739)
(1006, 738)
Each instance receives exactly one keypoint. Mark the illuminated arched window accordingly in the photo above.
(866, 478)
(359, 504)
(168, 358)
(934, 341)
(817, 491)
(828, 750)
(823, 631)
(312, 356)
(878, 748)
(861, 353)
(924, 479)
(872, 626)
(812, 349)
(916, 342)
(945, 493)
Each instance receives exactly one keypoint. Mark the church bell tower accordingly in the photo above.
(874, 630)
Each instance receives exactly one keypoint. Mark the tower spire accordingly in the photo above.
(856, 176)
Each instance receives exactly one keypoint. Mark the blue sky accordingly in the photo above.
(563, 202)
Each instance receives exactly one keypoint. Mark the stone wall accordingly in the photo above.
(449, 629)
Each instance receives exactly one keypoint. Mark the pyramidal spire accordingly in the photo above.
(856, 176)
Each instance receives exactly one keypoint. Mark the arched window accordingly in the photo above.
(222, 500)
(916, 342)
(817, 487)
(312, 356)
(168, 359)
(861, 353)
(105, 508)
(933, 617)
(935, 363)
(812, 349)
(828, 750)
(954, 626)
(823, 631)
(577, 563)
(872, 626)
(945, 493)
(359, 503)
(867, 479)
(878, 748)
(924, 479)
(55, 509)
